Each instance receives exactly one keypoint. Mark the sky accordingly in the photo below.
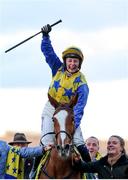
(98, 27)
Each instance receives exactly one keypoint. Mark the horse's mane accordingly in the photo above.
(56, 104)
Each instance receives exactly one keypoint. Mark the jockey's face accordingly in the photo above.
(72, 64)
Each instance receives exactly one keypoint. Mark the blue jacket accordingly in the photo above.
(25, 152)
(55, 64)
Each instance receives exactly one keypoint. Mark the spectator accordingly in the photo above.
(92, 144)
(10, 157)
(21, 141)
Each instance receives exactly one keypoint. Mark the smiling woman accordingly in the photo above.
(115, 149)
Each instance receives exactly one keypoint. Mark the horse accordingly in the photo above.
(60, 159)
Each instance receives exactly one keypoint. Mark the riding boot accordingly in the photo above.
(84, 153)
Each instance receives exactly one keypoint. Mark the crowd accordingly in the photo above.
(114, 165)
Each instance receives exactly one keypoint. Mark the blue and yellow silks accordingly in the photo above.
(63, 88)
(14, 164)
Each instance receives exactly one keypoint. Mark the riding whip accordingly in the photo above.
(31, 37)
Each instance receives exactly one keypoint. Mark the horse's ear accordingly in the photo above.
(54, 103)
(73, 101)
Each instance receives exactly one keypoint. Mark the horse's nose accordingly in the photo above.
(60, 150)
(66, 147)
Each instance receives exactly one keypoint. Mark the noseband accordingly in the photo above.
(56, 135)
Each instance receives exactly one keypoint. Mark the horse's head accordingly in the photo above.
(63, 119)
(64, 130)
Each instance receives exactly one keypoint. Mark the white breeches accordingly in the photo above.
(48, 126)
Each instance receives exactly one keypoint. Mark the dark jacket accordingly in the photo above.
(105, 171)
(27, 167)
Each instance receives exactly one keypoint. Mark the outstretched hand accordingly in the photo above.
(48, 147)
(46, 29)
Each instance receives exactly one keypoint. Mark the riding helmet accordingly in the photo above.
(73, 52)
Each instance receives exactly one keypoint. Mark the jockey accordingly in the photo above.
(9, 154)
(67, 81)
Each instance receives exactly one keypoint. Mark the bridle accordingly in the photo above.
(69, 136)
(58, 147)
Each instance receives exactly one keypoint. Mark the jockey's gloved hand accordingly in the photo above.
(46, 29)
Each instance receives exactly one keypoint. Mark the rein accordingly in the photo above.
(44, 136)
